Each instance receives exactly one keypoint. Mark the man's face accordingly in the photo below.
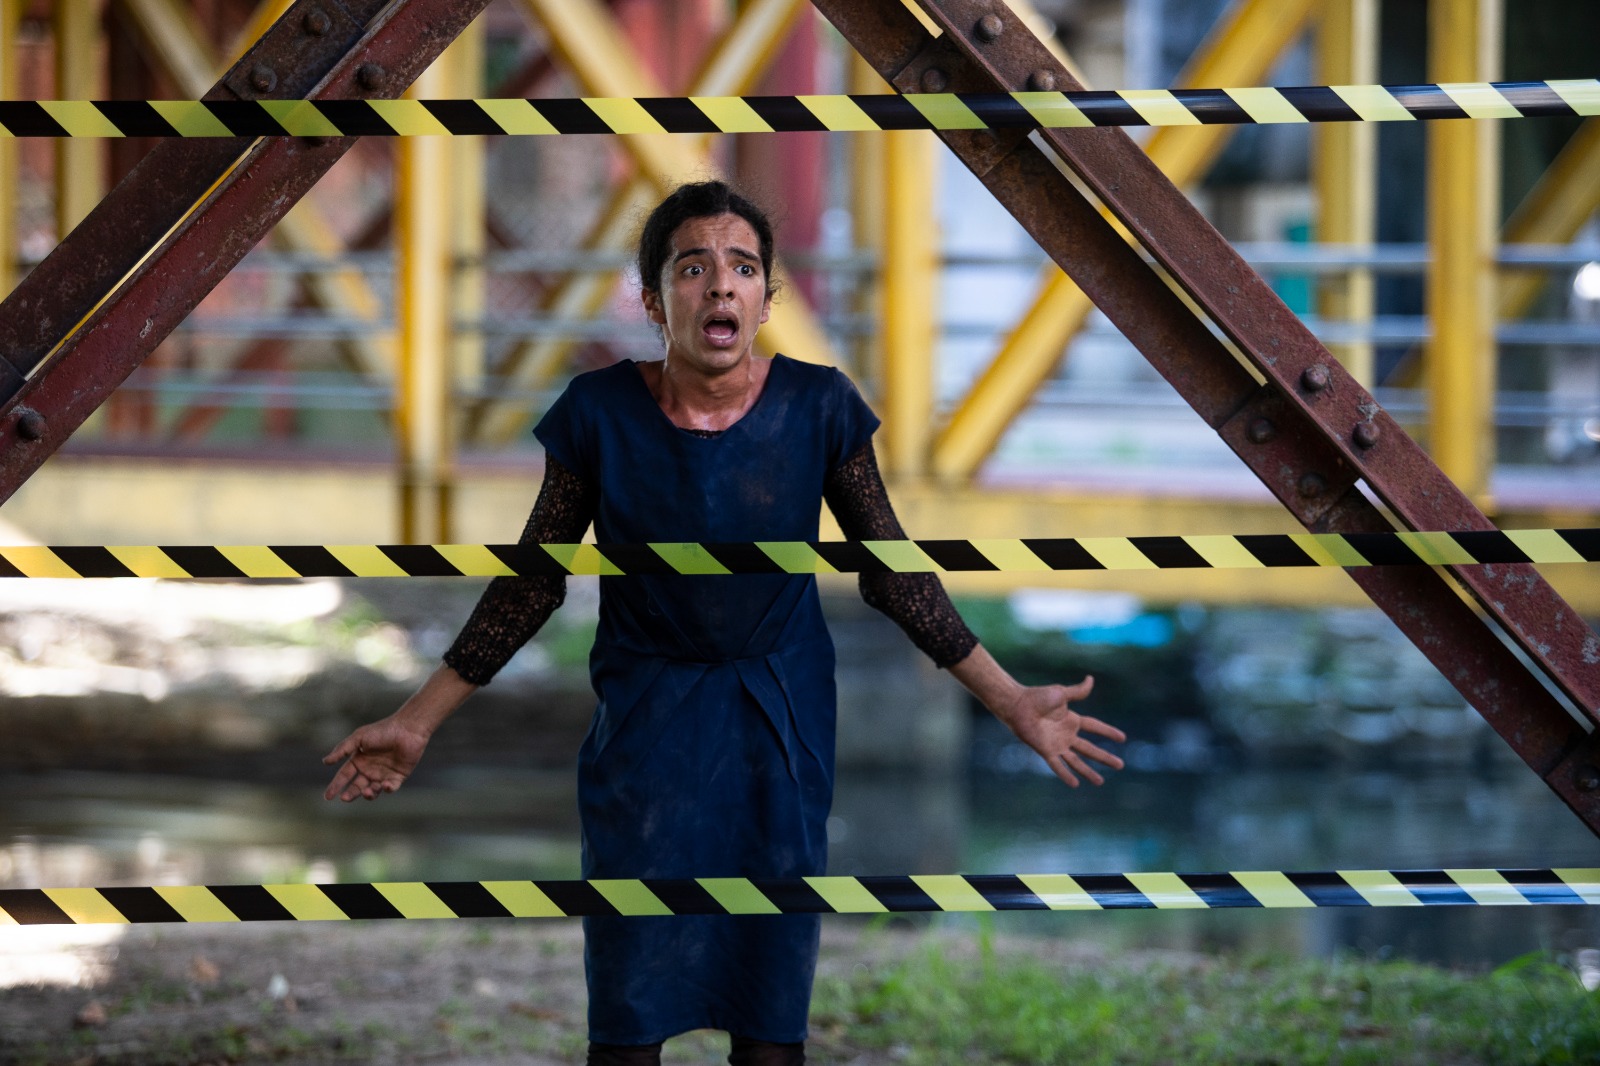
(713, 293)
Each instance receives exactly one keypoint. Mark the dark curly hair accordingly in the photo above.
(698, 199)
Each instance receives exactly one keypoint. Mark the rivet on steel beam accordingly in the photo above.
(1311, 486)
(989, 27)
(30, 424)
(934, 80)
(1262, 430)
(1587, 779)
(262, 78)
(1365, 434)
(317, 22)
(1042, 81)
(1316, 378)
(370, 76)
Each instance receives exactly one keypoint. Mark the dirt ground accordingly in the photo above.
(471, 993)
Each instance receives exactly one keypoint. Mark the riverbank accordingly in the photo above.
(491, 993)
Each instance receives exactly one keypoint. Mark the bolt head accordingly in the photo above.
(370, 76)
(30, 424)
(262, 78)
(934, 80)
(1261, 430)
(989, 27)
(1316, 378)
(1042, 81)
(1365, 434)
(1311, 486)
(1587, 778)
(317, 22)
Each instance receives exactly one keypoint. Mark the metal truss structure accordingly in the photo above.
(140, 261)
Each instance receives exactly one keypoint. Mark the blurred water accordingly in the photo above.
(461, 820)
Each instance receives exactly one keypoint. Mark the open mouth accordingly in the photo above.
(720, 329)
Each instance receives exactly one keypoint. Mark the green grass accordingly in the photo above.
(943, 999)
(932, 1008)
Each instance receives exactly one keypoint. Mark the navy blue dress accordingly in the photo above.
(711, 750)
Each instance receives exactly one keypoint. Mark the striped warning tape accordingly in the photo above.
(769, 114)
(1219, 552)
(799, 895)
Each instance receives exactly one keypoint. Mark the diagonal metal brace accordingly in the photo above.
(1289, 410)
(88, 315)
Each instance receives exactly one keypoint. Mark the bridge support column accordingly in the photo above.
(422, 423)
(1346, 174)
(1463, 226)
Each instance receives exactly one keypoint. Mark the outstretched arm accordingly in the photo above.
(378, 757)
(1040, 716)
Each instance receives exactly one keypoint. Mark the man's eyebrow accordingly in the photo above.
(740, 252)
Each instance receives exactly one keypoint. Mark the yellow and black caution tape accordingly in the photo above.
(1220, 552)
(777, 114)
(799, 895)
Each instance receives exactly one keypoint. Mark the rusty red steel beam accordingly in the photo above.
(157, 192)
(1311, 433)
(172, 229)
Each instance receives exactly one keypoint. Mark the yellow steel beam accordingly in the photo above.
(10, 22)
(591, 46)
(535, 363)
(1565, 198)
(463, 65)
(172, 41)
(1345, 173)
(1463, 212)
(1240, 51)
(747, 47)
(422, 245)
(1554, 211)
(80, 161)
(191, 62)
(910, 278)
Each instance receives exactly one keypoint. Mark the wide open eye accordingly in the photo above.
(693, 270)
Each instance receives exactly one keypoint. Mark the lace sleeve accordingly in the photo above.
(512, 609)
(917, 603)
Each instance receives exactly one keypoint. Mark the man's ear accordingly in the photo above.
(652, 306)
(766, 309)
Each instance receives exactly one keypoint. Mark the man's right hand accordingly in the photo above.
(377, 759)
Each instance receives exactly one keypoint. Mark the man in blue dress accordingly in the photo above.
(711, 749)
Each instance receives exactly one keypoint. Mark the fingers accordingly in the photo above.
(1079, 691)
(341, 781)
(1099, 754)
(353, 782)
(1089, 773)
(1099, 728)
(344, 749)
(1059, 766)
(364, 786)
